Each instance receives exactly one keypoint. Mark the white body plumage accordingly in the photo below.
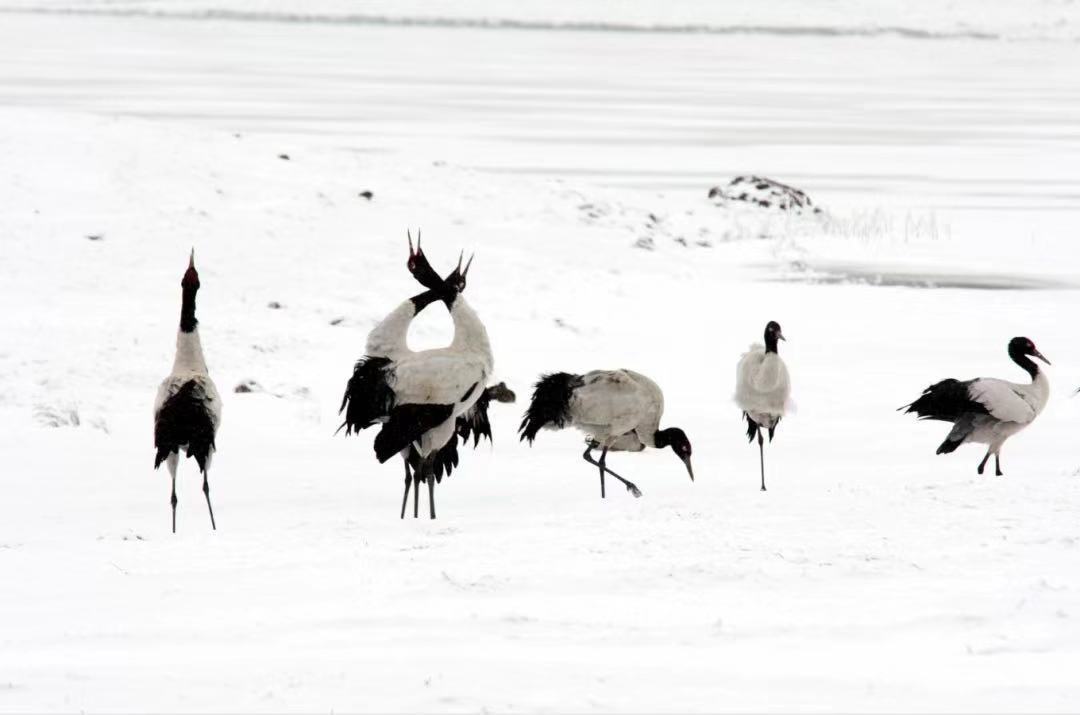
(619, 409)
(442, 376)
(762, 386)
(189, 365)
(1012, 407)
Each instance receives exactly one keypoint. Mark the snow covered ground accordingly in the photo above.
(872, 576)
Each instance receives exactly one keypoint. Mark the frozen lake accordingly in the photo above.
(947, 124)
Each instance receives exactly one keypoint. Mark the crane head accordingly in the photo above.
(419, 267)
(456, 280)
(448, 288)
(680, 444)
(1024, 346)
(191, 276)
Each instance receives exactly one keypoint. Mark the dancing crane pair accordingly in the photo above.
(427, 402)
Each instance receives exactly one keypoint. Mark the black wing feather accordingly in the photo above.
(185, 419)
(368, 397)
(948, 401)
(445, 460)
(550, 405)
(406, 424)
(751, 427)
(475, 422)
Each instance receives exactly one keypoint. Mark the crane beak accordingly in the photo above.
(1039, 355)
(419, 266)
(780, 335)
(689, 467)
(191, 276)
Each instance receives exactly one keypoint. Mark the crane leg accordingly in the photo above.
(602, 464)
(171, 461)
(416, 492)
(997, 464)
(761, 450)
(982, 464)
(206, 492)
(588, 458)
(431, 484)
(408, 483)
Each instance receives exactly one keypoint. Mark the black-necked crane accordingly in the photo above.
(187, 411)
(987, 410)
(473, 423)
(617, 410)
(763, 389)
(424, 399)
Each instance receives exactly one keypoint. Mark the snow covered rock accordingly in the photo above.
(764, 193)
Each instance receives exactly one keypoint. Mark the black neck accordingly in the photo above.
(1025, 362)
(187, 310)
(661, 439)
(770, 342)
(424, 299)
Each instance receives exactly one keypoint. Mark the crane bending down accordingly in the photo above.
(187, 410)
(987, 410)
(763, 389)
(618, 410)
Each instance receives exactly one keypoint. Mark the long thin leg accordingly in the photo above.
(997, 464)
(431, 485)
(408, 483)
(603, 489)
(588, 458)
(206, 491)
(172, 460)
(982, 464)
(761, 449)
(630, 487)
(416, 492)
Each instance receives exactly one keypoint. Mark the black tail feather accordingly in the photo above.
(368, 397)
(948, 446)
(445, 460)
(751, 428)
(948, 401)
(475, 422)
(550, 406)
(961, 430)
(185, 419)
(406, 424)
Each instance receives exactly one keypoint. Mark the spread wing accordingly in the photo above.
(1002, 400)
